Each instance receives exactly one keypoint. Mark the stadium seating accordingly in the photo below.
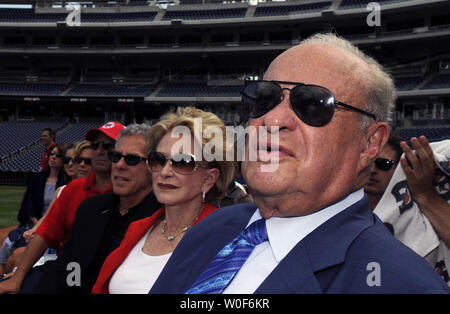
(111, 90)
(353, 4)
(23, 132)
(432, 134)
(27, 132)
(37, 89)
(205, 14)
(28, 161)
(29, 16)
(291, 9)
(75, 132)
(441, 81)
(199, 90)
(407, 83)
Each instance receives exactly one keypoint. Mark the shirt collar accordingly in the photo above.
(285, 233)
(90, 184)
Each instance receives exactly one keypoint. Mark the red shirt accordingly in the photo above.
(44, 158)
(57, 225)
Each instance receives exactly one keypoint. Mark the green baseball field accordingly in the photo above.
(10, 198)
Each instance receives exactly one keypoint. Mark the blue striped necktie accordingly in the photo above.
(229, 260)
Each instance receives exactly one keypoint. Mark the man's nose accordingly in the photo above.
(281, 116)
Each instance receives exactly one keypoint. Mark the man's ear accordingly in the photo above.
(377, 137)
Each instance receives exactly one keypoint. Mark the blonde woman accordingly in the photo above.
(185, 184)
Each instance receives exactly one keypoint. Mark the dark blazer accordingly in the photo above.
(91, 222)
(33, 200)
(337, 257)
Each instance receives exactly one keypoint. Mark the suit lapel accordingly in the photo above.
(194, 257)
(322, 249)
(292, 275)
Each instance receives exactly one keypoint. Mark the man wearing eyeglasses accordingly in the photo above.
(311, 229)
(383, 169)
(56, 228)
(102, 220)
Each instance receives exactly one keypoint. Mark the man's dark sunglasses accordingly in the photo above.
(79, 160)
(130, 159)
(384, 164)
(181, 163)
(105, 145)
(313, 104)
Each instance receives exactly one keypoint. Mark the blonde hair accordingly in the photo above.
(185, 116)
(79, 147)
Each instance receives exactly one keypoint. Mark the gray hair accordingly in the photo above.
(381, 93)
(136, 129)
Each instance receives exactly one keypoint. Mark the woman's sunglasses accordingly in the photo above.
(66, 159)
(130, 159)
(58, 155)
(313, 104)
(181, 163)
(79, 160)
(384, 164)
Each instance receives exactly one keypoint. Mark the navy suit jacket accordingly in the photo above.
(353, 252)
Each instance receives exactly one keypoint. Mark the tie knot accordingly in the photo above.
(256, 233)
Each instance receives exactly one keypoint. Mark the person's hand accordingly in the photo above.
(10, 285)
(28, 235)
(420, 169)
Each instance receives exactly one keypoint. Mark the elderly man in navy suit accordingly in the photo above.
(321, 114)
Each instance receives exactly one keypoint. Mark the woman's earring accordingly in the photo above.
(204, 196)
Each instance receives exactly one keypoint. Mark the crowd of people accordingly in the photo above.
(135, 209)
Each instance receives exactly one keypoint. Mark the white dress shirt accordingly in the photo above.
(283, 234)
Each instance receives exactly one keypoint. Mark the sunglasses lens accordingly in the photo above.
(114, 156)
(105, 145)
(94, 145)
(66, 160)
(132, 160)
(314, 105)
(383, 164)
(260, 97)
(157, 161)
(79, 160)
(108, 145)
(183, 163)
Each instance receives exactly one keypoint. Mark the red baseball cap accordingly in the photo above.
(110, 129)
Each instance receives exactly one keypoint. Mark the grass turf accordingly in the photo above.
(10, 199)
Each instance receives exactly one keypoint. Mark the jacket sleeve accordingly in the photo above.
(32, 200)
